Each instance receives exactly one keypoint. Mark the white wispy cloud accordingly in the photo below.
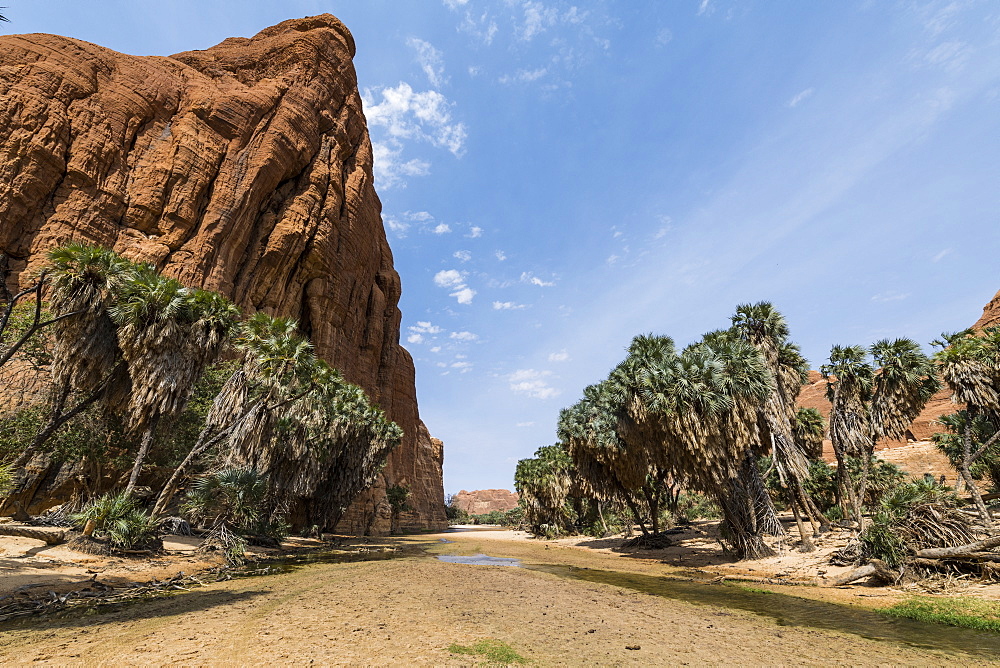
(455, 4)
(525, 424)
(506, 306)
(409, 114)
(481, 26)
(464, 336)
(464, 295)
(391, 169)
(475, 233)
(405, 114)
(454, 279)
(397, 227)
(430, 59)
(425, 327)
(415, 338)
(441, 228)
(462, 255)
(561, 356)
(889, 296)
(500, 255)
(449, 278)
(464, 367)
(524, 76)
(528, 277)
(537, 19)
(941, 255)
(532, 383)
(799, 97)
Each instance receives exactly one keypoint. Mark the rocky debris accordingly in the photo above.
(244, 168)
(482, 501)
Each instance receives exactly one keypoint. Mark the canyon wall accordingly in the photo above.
(245, 168)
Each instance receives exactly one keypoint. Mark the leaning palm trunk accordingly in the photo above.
(144, 445)
(168, 335)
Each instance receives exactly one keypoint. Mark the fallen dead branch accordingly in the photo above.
(959, 550)
(22, 604)
(50, 536)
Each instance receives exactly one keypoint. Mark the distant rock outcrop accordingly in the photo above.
(245, 168)
(482, 501)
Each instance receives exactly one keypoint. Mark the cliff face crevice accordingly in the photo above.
(245, 168)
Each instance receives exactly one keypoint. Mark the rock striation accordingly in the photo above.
(482, 501)
(245, 168)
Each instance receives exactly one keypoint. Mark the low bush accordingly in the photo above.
(118, 518)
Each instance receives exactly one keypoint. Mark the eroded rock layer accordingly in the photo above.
(245, 168)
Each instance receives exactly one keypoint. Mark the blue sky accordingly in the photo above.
(557, 177)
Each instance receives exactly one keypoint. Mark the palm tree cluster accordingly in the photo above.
(699, 418)
(544, 483)
(132, 344)
(970, 365)
(875, 394)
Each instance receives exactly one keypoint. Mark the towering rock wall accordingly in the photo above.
(245, 168)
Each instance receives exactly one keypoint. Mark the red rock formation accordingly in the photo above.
(991, 314)
(245, 168)
(482, 501)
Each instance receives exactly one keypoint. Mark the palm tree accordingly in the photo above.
(608, 466)
(289, 415)
(277, 367)
(703, 402)
(765, 328)
(970, 365)
(872, 401)
(808, 431)
(543, 483)
(849, 389)
(167, 334)
(86, 358)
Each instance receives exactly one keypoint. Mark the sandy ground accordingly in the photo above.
(409, 611)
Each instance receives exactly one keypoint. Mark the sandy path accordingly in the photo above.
(408, 611)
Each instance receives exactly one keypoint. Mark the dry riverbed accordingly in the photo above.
(409, 611)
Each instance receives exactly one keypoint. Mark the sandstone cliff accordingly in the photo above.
(245, 168)
(482, 501)
(991, 314)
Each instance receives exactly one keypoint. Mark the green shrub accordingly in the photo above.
(6, 479)
(913, 516)
(118, 518)
(693, 506)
